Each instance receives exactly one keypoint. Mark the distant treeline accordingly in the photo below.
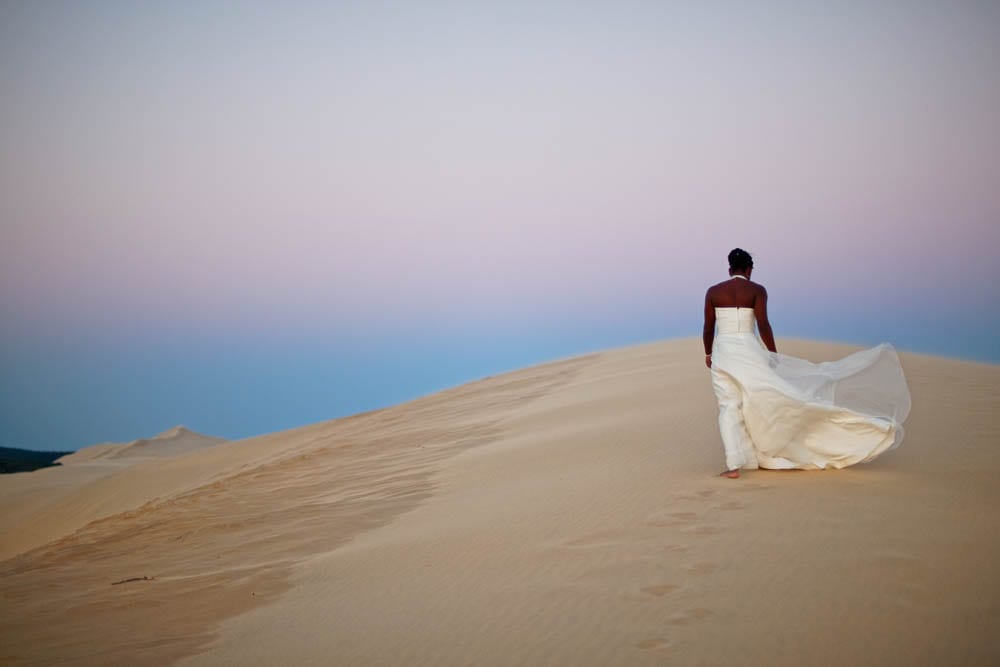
(26, 460)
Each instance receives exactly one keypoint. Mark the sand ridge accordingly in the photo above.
(173, 441)
(228, 542)
(563, 514)
(99, 481)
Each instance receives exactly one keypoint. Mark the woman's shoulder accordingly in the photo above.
(718, 286)
(725, 285)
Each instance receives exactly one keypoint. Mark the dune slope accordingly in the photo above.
(103, 480)
(562, 514)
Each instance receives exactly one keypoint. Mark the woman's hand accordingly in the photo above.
(708, 360)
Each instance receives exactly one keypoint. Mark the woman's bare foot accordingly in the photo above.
(730, 474)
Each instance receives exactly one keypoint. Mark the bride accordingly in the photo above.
(781, 412)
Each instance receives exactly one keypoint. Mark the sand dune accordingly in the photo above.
(97, 482)
(174, 441)
(562, 514)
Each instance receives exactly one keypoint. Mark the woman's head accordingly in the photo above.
(740, 261)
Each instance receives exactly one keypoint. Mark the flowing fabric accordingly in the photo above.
(781, 412)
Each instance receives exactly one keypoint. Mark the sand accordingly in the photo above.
(567, 513)
(53, 502)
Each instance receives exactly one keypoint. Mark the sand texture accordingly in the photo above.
(564, 514)
(178, 440)
(53, 502)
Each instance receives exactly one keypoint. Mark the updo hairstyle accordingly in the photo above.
(740, 260)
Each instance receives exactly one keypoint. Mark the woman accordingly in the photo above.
(780, 412)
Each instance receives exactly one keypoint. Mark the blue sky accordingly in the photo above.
(246, 217)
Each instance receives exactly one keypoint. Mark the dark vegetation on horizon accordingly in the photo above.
(25, 460)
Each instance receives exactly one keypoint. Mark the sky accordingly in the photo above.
(245, 217)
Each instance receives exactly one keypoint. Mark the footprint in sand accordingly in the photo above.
(698, 495)
(689, 616)
(659, 590)
(731, 505)
(603, 539)
(658, 644)
(666, 519)
(743, 488)
(701, 569)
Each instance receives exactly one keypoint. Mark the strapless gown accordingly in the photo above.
(781, 412)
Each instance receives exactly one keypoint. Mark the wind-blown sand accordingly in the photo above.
(170, 443)
(567, 513)
(54, 502)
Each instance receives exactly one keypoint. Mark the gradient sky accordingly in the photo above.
(249, 216)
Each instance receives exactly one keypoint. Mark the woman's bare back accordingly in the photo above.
(737, 292)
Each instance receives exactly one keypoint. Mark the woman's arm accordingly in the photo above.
(763, 324)
(708, 332)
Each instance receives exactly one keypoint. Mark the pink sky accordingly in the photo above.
(319, 166)
(246, 217)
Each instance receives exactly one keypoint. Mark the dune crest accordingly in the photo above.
(173, 441)
(99, 481)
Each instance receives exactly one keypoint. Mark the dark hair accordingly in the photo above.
(740, 260)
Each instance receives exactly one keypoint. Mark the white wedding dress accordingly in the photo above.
(781, 412)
